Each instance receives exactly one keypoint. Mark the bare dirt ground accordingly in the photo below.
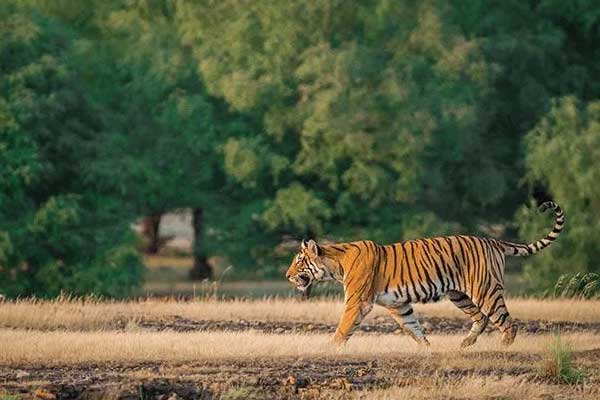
(167, 350)
(379, 325)
(283, 378)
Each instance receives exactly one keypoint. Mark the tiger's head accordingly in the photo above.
(308, 266)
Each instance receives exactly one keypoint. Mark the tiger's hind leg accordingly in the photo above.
(480, 321)
(495, 308)
(405, 317)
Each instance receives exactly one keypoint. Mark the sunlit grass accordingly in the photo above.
(474, 387)
(27, 346)
(91, 314)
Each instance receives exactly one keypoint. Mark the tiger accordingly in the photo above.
(468, 270)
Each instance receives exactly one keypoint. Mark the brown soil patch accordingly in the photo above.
(379, 325)
(276, 378)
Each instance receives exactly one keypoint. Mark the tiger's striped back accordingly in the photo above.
(423, 270)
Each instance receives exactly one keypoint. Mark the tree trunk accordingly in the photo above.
(150, 229)
(201, 269)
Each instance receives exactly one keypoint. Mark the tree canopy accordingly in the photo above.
(59, 226)
(279, 120)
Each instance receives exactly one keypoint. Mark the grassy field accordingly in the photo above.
(60, 347)
(281, 348)
(91, 314)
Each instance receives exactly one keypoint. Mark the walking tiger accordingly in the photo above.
(468, 270)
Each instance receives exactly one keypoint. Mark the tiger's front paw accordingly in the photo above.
(508, 337)
(468, 341)
(339, 340)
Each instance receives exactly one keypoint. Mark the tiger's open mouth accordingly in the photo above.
(303, 281)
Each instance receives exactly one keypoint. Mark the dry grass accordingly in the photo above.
(65, 340)
(178, 284)
(66, 347)
(161, 261)
(481, 388)
(94, 314)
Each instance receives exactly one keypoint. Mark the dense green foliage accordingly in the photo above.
(274, 120)
(569, 135)
(59, 228)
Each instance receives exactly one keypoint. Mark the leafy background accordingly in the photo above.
(279, 120)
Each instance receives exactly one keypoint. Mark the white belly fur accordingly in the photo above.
(389, 299)
(395, 297)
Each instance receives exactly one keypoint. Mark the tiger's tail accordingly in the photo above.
(516, 249)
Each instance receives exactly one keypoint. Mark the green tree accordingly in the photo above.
(60, 231)
(168, 133)
(361, 116)
(163, 136)
(275, 120)
(563, 153)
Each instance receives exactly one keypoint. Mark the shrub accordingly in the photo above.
(557, 363)
(579, 285)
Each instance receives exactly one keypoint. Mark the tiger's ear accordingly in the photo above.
(303, 245)
(313, 248)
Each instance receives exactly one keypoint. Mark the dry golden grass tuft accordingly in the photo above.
(85, 314)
